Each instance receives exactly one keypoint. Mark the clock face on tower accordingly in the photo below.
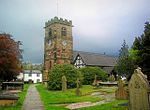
(64, 43)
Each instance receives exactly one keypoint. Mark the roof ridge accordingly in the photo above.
(93, 53)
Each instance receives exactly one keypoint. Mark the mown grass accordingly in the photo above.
(87, 89)
(19, 104)
(51, 98)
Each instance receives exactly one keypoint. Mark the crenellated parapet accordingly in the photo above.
(58, 20)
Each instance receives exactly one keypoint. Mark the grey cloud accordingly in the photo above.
(101, 23)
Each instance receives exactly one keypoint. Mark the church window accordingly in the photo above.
(49, 42)
(63, 31)
(50, 32)
(30, 74)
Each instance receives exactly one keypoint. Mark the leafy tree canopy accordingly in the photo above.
(90, 72)
(67, 70)
(10, 55)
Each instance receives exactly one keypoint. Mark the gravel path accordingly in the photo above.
(32, 101)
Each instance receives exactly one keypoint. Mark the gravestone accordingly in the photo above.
(8, 99)
(121, 92)
(64, 83)
(111, 78)
(78, 92)
(12, 86)
(138, 91)
(95, 80)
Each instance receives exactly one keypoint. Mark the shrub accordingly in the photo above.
(90, 72)
(56, 73)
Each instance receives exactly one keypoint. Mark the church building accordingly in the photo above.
(58, 44)
(58, 49)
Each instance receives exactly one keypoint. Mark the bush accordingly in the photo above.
(56, 73)
(90, 72)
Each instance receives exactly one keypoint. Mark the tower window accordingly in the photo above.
(50, 32)
(63, 31)
(49, 42)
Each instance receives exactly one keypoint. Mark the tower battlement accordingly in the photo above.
(58, 20)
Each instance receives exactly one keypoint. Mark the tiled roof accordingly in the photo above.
(33, 72)
(95, 59)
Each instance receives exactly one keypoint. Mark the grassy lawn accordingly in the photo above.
(20, 101)
(52, 98)
(108, 106)
(87, 89)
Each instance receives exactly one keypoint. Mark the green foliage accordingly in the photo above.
(30, 66)
(133, 55)
(90, 72)
(10, 57)
(142, 46)
(56, 73)
(125, 65)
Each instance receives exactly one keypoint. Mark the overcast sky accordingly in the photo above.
(99, 25)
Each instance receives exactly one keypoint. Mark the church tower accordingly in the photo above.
(58, 44)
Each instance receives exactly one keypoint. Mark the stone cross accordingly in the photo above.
(64, 83)
(121, 92)
(138, 91)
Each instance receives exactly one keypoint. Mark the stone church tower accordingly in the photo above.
(58, 44)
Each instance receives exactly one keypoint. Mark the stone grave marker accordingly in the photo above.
(121, 92)
(64, 83)
(138, 91)
(95, 80)
(8, 99)
(78, 92)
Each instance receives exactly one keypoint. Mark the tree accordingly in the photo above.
(10, 56)
(90, 72)
(60, 70)
(142, 47)
(124, 66)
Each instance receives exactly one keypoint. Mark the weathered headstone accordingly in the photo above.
(121, 92)
(8, 99)
(111, 78)
(12, 85)
(138, 91)
(95, 81)
(78, 92)
(64, 83)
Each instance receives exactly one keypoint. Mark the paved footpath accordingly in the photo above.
(32, 101)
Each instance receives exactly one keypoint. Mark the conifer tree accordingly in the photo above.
(124, 65)
(142, 46)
